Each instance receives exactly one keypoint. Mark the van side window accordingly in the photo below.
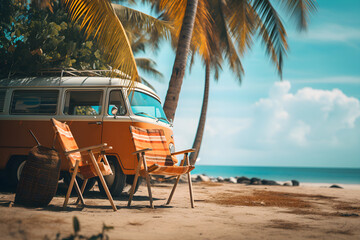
(116, 100)
(83, 102)
(2, 99)
(34, 102)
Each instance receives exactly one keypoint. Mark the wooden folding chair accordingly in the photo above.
(78, 166)
(154, 158)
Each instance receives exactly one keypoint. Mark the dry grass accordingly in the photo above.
(347, 207)
(212, 184)
(135, 223)
(281, 224)
(317, 212)
(343, 232)
(261, 198)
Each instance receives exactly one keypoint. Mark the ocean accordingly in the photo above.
(302, 174)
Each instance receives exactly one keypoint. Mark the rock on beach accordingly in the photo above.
(243, 180)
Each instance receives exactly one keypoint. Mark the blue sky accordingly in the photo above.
(310, 118)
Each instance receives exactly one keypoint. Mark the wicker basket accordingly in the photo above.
(39, 178)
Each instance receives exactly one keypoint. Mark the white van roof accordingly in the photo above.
(69, 82)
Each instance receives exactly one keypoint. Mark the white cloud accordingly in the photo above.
(299, 133)
(310, 116)
(332, 33)
(327, 80)
(310, 127)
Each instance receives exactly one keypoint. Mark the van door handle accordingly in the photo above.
(97, 123)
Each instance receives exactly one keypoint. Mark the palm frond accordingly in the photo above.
(300, 10)
(241, 23)
(147, 83)
(98, 17)
(139, 44)
(132, 18)
(174, 11)
(272, 31)
(220, 14)
(149, 67)
(124, 1)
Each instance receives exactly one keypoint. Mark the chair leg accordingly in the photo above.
(189, 180)
(102, 180)
(173, 190)
(77, 188)
(147, 180)
(71, 184)
(82, 191)
(149, 189)
(135, 181)
(190, 190)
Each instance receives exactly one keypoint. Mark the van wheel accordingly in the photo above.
(115, 182)
(130, 181)
(90, 184)
(15, 167)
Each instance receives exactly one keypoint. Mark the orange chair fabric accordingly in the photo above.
(164, 170)
(154, 139)
(67, 141)
(155, 159)
(94, 168)
(159, 160)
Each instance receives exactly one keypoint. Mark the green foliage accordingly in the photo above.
(76, 225)
(85, 110)
(77, 235)
(32, 40)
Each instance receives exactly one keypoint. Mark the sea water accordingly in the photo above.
(302, 174)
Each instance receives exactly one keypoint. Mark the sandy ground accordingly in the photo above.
(222, 211)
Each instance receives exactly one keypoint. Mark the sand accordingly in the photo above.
(222, 211)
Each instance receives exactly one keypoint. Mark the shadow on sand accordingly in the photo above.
(93, 194)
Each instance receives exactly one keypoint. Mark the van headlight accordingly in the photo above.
(171, 148)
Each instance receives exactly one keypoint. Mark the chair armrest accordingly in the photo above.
(142, 150)
(102, 146)
(185, 151)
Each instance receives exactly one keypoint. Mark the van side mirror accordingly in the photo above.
(114, 111)
(171, 123)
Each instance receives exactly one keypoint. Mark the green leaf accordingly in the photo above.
(97, 54)
(76, 225)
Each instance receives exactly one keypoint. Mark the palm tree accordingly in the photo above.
(268, 24)
(230, 29)
(183, 14)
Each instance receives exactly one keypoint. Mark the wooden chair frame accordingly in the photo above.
(141, 156)
(101, 148)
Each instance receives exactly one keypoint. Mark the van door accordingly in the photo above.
(116, 131)
(82, 110)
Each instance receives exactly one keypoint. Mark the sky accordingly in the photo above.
(310, 118)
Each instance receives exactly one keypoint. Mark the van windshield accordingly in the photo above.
(145, 105)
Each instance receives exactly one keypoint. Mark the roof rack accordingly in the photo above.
(90, 73)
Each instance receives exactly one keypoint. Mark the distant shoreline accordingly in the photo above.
(245, 166)
(283, 174)
(255, 181)
(327, 185)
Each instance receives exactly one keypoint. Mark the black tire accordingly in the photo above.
(130, 181)
(15, 166)
(90, 184)
(115, 182)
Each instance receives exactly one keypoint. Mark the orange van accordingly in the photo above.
(97, 109)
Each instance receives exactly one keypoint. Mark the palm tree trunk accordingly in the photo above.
(172, 96)
(201, 125)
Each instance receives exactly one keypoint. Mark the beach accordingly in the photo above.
(222, 211)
